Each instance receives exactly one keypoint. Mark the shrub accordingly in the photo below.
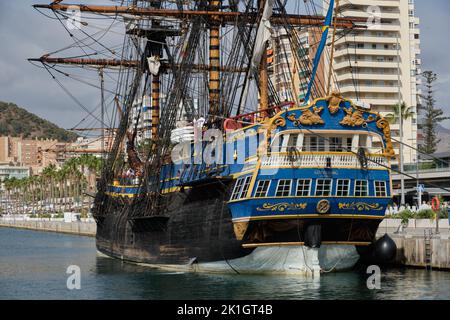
(443, 214)
(425, 214)
(405, 215)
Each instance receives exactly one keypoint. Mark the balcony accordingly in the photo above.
(368, 39)
(380, 101)
(366, 76)
(368, 52)
(385, 3)
(362, 13)
(366, 64)
(319, 160)
(370, 89)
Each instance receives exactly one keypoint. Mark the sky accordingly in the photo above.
(25, 33)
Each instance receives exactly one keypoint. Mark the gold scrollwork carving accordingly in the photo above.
(284, 206)
(360, 206)
(384, 125)
(355, 118)
(279, 122)
(334, 101)
(308, 117)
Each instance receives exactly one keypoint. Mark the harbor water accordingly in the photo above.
(33, 265)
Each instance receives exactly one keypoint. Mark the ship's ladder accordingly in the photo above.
(428, 235)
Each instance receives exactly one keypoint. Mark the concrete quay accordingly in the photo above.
(81, 228)
(418, 244)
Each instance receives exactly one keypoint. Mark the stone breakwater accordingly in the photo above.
(82, 228)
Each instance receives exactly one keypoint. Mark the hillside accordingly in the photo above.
(444, 135)
(16, 121)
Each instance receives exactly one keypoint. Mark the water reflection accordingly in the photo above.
(33, 266)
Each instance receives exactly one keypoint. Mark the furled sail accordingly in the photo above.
(262, 36)
(153, 65)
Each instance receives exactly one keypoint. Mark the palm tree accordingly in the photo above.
(49, 174)
(402, 113)
(403, 110)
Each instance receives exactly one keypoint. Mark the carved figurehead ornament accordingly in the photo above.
(334, 101)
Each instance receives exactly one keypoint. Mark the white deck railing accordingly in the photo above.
(320, 160)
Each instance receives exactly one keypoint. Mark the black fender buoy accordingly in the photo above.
(381, 251)
(385, 249)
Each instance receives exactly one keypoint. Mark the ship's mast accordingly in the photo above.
(214, 61)
(156, 82)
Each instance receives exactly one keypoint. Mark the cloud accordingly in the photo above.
(25, 33)
(434, 27)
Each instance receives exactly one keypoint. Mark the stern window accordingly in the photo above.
(240, 188)
(380, 189)
(335, 144)
(323, 187)
(343, 188)
(303, 187)
(361, 189)
(245, 187)
(284, 188)
(262, 188)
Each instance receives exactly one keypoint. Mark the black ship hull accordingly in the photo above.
(197, 227)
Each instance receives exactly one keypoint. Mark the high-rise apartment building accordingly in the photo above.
(381, 64)
(290, 74)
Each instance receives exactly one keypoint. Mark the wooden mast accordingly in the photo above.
(214, 62)
(155, 107)
(156, 89)
(263, 76)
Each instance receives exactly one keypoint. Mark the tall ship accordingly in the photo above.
(215, 167)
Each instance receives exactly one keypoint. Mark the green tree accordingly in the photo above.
(432, 115)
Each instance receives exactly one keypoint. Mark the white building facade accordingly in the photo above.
(380, 65)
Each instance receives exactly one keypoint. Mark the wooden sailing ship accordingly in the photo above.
(312, 176)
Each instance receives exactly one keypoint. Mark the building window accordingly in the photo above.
(284, 188)
(262, 188)
(380, 189)
(343, 188)
(361, 189)
(303, 187)
(323, 187)
(240, 188)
